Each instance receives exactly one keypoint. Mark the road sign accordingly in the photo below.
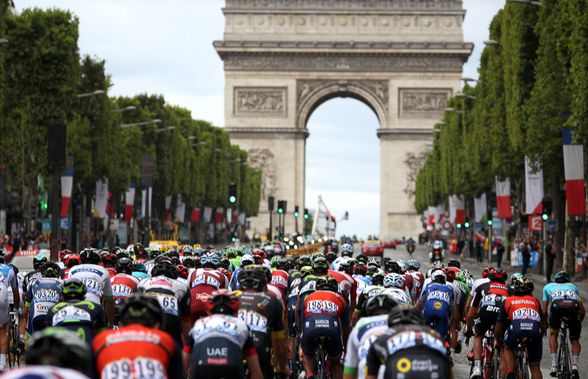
(446, 225)
(552, 225)
(64, 223)
(535, 223)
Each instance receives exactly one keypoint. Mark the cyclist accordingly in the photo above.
(124, 284)
(38, 261)
(418, 279)
(97, 281)
(394, 285)
(521, 318)
(217, 344)
(75, 313)
(42, 295)
(373, 323)
(138, 349)
(264, 315)
(70, 261)
(325, 315)
(408, 349)
(8, 281)
(172, 296)
(368, 293)
(486, 304)
(563, 300)
(203, 282)
(55, 353)
(346, 252)
(438, 304)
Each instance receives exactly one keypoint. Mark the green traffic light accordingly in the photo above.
(296, 214)
(43, 205)
(490, 222)
(280, 210)
(458, 226)
(545, 217)
(232, 199)
(234, 239)
(306, 216)
(467, 225)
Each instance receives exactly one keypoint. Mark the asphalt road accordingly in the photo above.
(462, 365)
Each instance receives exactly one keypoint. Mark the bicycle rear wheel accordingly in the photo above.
(564, 365)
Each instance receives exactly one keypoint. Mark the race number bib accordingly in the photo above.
(71, 313)
(140, 368)
(255, 321)
(93, 286)
(526, 314)
(169, 303)
(120, 290)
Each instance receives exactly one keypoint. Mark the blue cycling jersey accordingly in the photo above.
(560, 291)
(42, 295)
(438, 297)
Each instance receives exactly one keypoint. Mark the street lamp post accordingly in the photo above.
(94, 93)
(154, 121)
(125, 109)
(491, 42)
(528, 2)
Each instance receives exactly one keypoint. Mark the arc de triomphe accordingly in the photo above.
(284, 58)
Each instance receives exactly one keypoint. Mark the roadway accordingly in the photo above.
(462, 365)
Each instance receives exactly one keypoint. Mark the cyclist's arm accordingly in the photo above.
(351, 357)
(15, 292)
(373, 363)
(109, 306)
(175, 369)
(254, 367)
(544, 308)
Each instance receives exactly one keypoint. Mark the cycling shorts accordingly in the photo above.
(531, 330)
(321, 326)
(485, 321)
(559, 312)
(216, 358)
(417, 363)
(439, 318)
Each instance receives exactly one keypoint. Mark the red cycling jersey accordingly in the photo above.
(203, 282)
(123, 286)
(522, 308)
(325, 303)
(347, 285)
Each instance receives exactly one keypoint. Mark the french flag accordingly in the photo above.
(66, 188)
(533, 188)
(574, 172)
(503, 198)
(129, 202)
(456, 209)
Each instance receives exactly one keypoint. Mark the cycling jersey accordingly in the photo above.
(409, 352)
(202, 283)
(123, 286)
(439, 302)
(365, 332)
(522, 315)
(347, 285)
(294, 281)
(563, 300)
(324, 313)
(136, 351)
(418, 280)
(43, 372)
(8, 282)
(218, 344)
(172, 295)
(42, 295)
(29, 278)
(263, 314)
(476, 284)
(280, 281)
(96, 279)
(488, 298)
(82, 317)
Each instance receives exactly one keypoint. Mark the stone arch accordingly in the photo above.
(312, 94)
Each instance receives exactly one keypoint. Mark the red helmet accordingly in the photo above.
(360, 269)
(64, 253)
(223, 301)
(109, 259)
(73, 260)
(258, 257)
(183, 271)
(450, 274)
(500, 275)
(485, 272)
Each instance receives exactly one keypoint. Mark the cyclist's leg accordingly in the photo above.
(334, 348)
(575, 330)
(554, 322)
(534, 354)
(4, 344)
(308, 343)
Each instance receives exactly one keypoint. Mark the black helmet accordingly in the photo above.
(73, 288)
(331, 256)
(124, 265)
(38, 261)
(58, 347)
(51, 270)
(90, 256)
(454, 263)
(563, 277)
(326, 284)
(140, 309)
(523, 286)
(189, 262)
(252, 278)
(166, 269)
(378, 279)
(404, 314)
(381, 301)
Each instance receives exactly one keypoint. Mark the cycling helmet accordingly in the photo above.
(59, 347)
(124, 265)
(454, 263)
(90, 256)
(246, 260)
(346, 250)
(62, 254)
(563, 277)
(51, 270)
(320, 265)
(331, 256)
(393, 266)
(362, 258)
(38, 261)
(140, 309)
(437, 264)
(404, 314)
(187, 250)
(345, 267)
(189, 262)
(303, 260)
(485, 272)
(413, 264)
(450, 274)
(274, 261)
(139, 267)
(109, 259)
(523, 286)
(225, 263)
(72, 260)
(360, 269)
(210, 260)
(394, 280)
(378, 279)
(165, 269)
(371, 270)
(460, 277)
(439, 275)
(514, 277)
(373, 262)
(379, 302)
(326, 284)
(123, 254)
(500, 275)
(182, 271)
(223, 302)
(73, 288)
(403, 266)
(305, 271)
(252, 278)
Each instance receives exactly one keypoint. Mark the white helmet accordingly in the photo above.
(346, 249)
(438, 273)
(394, 280)
(399, 295)
(246, 258)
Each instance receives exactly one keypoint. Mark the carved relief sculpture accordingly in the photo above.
(414, 163)
(422, 103)
(263, 159)
(260, 101)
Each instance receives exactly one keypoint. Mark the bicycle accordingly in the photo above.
(490, 360)
(521, 364)
(320, 356)
(564, 363)
(14, 352)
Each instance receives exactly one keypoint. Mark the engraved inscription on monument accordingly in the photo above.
(260, 101)
(422, 103)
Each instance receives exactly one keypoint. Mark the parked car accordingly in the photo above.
(389, 243)
(373, 248)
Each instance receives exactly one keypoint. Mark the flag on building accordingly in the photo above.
(195, 215)
(129, 202)
(218, 216)
(456, 209)
(533, 188)
(480, 208)
(101, 197)
(180, 213)
(574, 172)
(207, 215)
(66, 191)
(503, 198)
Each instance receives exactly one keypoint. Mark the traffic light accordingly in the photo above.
(281, 206)
(466, 224)
(43, 204)
(306, 214)
(458, 225)
(232, 193)
(489, 217)
(270, 203)
(296, 212)
(546, 206)
(233, 238)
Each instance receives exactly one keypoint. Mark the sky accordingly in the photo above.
(165, 47)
